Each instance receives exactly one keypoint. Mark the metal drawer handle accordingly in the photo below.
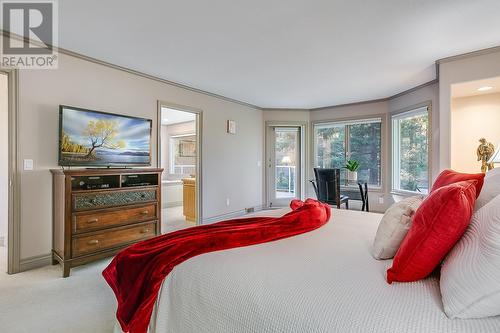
(93, 242)
(93, 220)
(145, 230)
(145, 212)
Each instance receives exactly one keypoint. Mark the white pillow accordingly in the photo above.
(491, 188)
(494, 172)
(470, 275)
(394, 226)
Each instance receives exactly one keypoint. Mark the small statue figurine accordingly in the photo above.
(484, 153)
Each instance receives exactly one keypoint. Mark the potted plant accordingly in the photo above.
(352, 167)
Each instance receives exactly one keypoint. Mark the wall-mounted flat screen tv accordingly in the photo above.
(94, 138)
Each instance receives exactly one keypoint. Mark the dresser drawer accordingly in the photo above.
(94, 221)
(88, 201)
(112, 238)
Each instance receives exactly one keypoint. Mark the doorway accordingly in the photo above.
(180, 157)
(285, 157)
(474, 115)
(4, 168)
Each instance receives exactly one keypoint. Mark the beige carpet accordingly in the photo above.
(41, 301)
(173, 219)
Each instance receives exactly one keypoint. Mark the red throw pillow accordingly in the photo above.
(448, 177)
(438, 224)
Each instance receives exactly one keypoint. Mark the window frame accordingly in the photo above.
(412, 110)
(382, 118)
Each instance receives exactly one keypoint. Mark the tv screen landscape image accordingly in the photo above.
(94, 138)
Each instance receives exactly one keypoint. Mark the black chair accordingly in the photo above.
(364, 197)
(327, 187)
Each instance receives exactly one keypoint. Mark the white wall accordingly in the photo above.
(4, 158)
(473, 118)
(482, 65)
(227, 159)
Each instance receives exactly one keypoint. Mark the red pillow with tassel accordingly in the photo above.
(448, 177)
(438, 224)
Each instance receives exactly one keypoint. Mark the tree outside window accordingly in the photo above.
(410, 151)
(335, 143)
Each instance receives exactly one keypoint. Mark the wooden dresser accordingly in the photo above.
(98, 212)
(189, 199)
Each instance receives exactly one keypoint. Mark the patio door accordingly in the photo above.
(283, 164)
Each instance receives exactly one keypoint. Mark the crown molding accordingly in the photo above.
(131, 71)
(385, 99)
(379, 100)
(406, 92)
(469, 55)
(228, 99)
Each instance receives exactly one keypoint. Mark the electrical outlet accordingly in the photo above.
(381, 200)
(227, 202)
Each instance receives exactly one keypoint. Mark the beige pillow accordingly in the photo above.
(394, 226)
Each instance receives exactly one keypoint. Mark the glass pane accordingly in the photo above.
(287, 157)
(413, 153)
(365, 148)
(330, 148)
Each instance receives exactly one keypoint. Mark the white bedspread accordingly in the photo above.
(322, 281)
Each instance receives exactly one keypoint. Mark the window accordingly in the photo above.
(410, 151)
(337, 142)
(182, 155)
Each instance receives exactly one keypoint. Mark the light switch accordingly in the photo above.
(28, 165)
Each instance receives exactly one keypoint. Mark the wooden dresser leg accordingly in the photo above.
(54, 260)
(66, 269)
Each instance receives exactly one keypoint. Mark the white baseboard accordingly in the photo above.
(35, 262)
(231, 215)
(172, 204)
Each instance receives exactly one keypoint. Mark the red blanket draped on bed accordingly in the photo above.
(136, 273)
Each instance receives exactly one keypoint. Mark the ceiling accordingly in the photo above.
(470, 88)
(172, 116)
(277, 54)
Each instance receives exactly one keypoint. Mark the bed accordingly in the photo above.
(321, 281)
